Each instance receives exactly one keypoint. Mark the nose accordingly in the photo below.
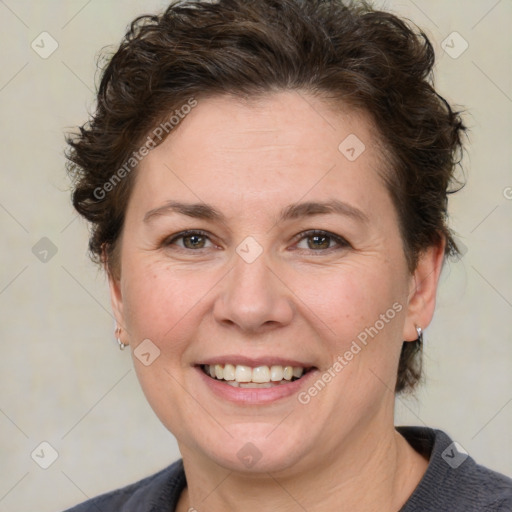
(254, 298)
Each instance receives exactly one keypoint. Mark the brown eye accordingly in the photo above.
(318, 241)
(194, 241)
(191, 240)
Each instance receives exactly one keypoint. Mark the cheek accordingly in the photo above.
(350, 298)
(159, 301)
(360, 311)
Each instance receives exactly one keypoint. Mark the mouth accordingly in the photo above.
(243, 376)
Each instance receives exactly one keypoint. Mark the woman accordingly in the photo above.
(267, 187)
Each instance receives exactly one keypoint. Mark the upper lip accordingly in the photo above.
(254, 362)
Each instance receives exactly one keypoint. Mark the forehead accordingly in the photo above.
(274, 149)
(272, 123)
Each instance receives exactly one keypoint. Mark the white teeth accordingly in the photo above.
(244, 376)
(229, 372)
(261, 374)
(288, 372)
(255, 385)
(297, 371)
(276, 373)
(243, 373)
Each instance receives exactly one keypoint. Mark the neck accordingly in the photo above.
(374, 472)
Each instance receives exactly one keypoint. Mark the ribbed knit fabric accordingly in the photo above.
(453, 482)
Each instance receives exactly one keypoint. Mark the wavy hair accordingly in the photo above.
(346, 52)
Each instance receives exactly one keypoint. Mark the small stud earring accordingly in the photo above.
(117, 334)
(420, 334)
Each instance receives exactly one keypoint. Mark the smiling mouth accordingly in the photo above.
(241, 376)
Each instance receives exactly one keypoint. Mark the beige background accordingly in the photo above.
(64, 381)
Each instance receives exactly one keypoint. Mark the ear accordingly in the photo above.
(116, 298)
(423, 290)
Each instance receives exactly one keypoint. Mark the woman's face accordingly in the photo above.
(253, 286)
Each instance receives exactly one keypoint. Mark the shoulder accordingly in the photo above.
(152, 494)
(493, 489)
(453, 479)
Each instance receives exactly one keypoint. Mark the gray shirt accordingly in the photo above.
(453, 482)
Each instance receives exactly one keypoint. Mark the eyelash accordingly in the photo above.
(342, 243)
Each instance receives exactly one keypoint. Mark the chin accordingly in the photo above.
(257, 448)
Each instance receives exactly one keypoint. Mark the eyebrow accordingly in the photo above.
(294, 211)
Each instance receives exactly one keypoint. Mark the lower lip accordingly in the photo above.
(254, 396)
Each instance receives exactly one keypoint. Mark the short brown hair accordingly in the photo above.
(370, 60)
